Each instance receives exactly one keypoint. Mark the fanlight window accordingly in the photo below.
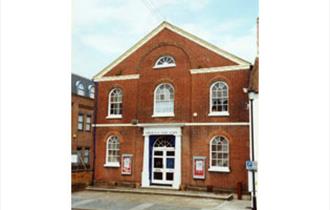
(163, 142)
(113, 150)
(219, 97)
(164, 62)
(164, 100)
(115, 102)
(80, 88)
(219, 152)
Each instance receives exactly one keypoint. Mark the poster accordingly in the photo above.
(126, 164)
(199, 167)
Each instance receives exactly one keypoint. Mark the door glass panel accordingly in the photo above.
(158, 175)
(160, 153)
(170, 153)
(169, 176)
(170, 163)
(158, 163)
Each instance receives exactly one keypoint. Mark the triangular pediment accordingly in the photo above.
(179, 31)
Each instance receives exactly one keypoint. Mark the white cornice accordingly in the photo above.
(172, 124)
(220, 69)
(175, 30)
(115, 78)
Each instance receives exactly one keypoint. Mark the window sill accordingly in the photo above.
(112, 165)
(114, 116)
(163, 115)
(218, 114)
(164, 66)
(219, 169)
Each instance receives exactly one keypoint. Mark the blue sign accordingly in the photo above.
(251, 165)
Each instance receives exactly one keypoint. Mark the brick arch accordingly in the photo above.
(219, 78)
(223, 133)
(113, 133)
(180, 46)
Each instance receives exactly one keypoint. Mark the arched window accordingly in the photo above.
(115, 103)
(91, 91)
(219, 154)
(164, 100)
(165, 62)
(219, 99)
(112, 153)
(80, 88)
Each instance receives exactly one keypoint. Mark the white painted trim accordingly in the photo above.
(113, 125)
(212, 113)
(219, 169)
(163, 115)
(112, 165)
(220, 69)
(172, 124)
(164, 66)
(118, 116)
(109, 97)
(217, 124)
(165, 130)
(169, 114)
(117, 78)
(218, 114)
(175, 30)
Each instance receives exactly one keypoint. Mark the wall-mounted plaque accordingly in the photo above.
(126, 164)
(199, 167)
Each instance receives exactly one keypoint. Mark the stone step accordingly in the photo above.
(169, 192)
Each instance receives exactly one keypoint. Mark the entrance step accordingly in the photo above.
(169, 192)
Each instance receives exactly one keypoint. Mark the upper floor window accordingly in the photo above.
(164, 62)
(80, 122)
(164, 101)
(88, 123)
(219, 154)
(115, 103)
(219, 99)
(112, 153)
(91, 91)
(80, 88)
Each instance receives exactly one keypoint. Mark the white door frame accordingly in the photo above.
(168, 130)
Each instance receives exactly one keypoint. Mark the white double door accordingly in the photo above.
(163, 159)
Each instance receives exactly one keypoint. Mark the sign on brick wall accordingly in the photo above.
(199, 167)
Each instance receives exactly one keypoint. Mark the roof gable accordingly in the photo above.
(176, 30)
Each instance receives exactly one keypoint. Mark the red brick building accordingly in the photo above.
(172, 112)
(82, 139)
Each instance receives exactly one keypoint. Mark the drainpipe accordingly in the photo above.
(94, 134)
(254, 197)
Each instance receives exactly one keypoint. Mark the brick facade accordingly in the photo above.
(82, 140)
(191, 105)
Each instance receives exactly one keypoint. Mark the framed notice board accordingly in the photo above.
(126, 164)
(199, 167)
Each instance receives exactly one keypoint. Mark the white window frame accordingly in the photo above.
(159, 66)
(114, 116)
(80, 87)
(112, 164)
(217, 113)
(81, 122)
(91, 93)
(88, 116)
(163, 114)
(219, 168)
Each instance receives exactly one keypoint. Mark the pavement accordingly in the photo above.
(93, 200)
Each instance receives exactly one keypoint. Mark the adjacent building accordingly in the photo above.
(82, 138)
(172, 113)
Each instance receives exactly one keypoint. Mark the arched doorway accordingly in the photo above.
(163, 159)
